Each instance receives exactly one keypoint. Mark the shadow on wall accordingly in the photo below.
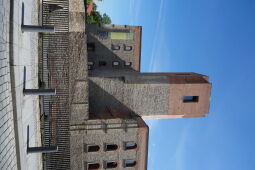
(103, 53)
(103, 105)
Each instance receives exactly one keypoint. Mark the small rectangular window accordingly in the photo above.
(127, 64)
(115, 47)
(115, 63)
(93, 166)
(188, 99)
(111, 147)
(102, 63)
(90, 65)
(130, 145)
(91, 46)
(127, 48)
(93, 148)
(111, 164)
(129, 163)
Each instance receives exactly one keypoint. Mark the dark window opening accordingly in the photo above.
(129, 163)
(91, 46)
(102, 63)
(93, 148)
(127, 48)
(130, 145)
(111, 147)
(111, 164)
(92, 166)
(115, 47)
(187, 99)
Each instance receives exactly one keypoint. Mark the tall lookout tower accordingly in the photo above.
(117, 86)
(151, 95)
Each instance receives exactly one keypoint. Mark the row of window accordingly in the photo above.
(117, 47)
(111, 147)
(91, 47)
(110, 164)
(104, 63)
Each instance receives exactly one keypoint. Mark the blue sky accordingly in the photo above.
(211, 37)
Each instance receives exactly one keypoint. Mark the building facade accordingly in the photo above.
(113, 47)
(109, 144)
(107, 130)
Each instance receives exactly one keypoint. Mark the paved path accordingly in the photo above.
(18, 111)
(7, 136)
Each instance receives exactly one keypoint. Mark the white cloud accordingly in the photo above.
(158, 37)
(134, 11)
(179, 155)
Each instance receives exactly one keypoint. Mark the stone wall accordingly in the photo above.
(150, 95)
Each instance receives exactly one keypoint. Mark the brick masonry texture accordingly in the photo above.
(7, 136)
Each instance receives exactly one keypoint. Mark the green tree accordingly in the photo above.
(106, 19)
(96, 18)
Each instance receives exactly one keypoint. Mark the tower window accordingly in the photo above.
(127, 64)
(127, 48)
(90, 65)
(93, 166)
(102, 63)
(130, 145)
(111, 147)
(129, 163)
(115, 63)
(93, 148)
(91, 46)
(111, 164)
(115, 47)
(102, 34)
(188, 99)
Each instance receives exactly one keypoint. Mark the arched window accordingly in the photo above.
(111, 164)
(129, 163)
(93, 148)
(111, 147)
(130, 145)
(93, 166)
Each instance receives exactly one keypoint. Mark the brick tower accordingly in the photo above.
(151, 95)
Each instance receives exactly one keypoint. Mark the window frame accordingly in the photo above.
(106, 164)
(91, 64)
(106, 144)
(115, 49)
(190, 99)
(89, 145)
(129, 46)
(90, 163)
(114, 64)
(126, 65)
(92, 45)
(102, 63)
(129, 166)
(131, 147)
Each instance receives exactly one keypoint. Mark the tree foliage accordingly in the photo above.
(96, 18)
